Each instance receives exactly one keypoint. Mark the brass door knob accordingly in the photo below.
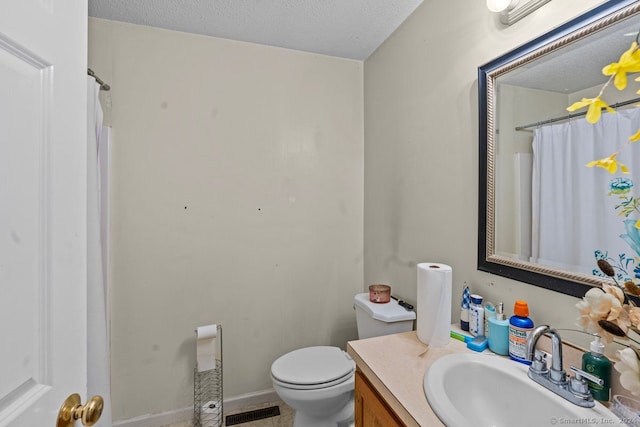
(72, 410)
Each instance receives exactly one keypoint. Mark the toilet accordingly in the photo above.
(318, 382)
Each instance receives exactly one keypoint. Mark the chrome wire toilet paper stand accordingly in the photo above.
(207, 388)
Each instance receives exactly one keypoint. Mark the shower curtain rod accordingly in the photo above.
(103, 85)
(570, 116)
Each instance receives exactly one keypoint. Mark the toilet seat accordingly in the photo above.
(313, 368)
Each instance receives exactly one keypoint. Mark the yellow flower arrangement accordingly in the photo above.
(629, 62)
(610, 311)
(610, 164)
(595, 108)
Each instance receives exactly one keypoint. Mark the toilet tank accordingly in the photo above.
(375, 319)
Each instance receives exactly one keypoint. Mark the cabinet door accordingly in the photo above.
(371, 410)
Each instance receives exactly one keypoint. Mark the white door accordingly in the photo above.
(43, 51)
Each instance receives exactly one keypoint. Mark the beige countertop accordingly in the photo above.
(395, 365)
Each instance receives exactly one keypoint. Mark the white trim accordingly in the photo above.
(155, 420)
(249, 399)
(186, 414)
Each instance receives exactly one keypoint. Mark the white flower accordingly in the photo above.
(603, 304)
(629, 370)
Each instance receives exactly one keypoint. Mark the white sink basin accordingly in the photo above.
(487, 390)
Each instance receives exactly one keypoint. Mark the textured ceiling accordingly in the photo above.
(578, 65)
(344, 28)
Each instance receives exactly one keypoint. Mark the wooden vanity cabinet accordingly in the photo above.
(371, 409)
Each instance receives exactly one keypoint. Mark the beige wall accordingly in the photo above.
(421, 149)
(237, 198)
(264, 148)
(518, 106)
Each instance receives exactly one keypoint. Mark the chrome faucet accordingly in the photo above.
(574, 389)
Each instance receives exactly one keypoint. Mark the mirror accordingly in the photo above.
(528, 88)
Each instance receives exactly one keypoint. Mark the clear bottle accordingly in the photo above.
(597, 364)
(476, 316)
(499, 332)
(520, 327)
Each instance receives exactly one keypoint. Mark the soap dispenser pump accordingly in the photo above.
(499, 332)
(597, 364)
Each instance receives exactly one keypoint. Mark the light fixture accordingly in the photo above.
(501, 5)
(509, 10)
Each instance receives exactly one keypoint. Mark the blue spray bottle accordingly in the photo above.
(464, 308)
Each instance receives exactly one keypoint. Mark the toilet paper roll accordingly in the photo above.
(211, 414)
(206, 347)
(207, 331)
(433, 323)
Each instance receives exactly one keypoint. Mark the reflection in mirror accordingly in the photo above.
(545, 218)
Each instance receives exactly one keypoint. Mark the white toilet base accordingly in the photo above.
(344, 418)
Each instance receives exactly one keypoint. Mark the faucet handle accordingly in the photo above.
(580, 373)
(539, 364)
(578, 386)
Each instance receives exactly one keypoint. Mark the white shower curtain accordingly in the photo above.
(98, 354)
(573, 214)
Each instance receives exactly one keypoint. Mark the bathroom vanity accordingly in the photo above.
(370, 408)
(389, 379)
(389, 387)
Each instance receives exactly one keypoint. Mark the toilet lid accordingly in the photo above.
(313, 366)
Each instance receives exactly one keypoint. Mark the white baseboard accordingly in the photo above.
(161, 419)
(250, 399)
(186, 414)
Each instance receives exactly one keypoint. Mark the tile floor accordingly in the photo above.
(285, 419)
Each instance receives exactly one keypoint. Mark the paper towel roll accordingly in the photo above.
(206, 347)
(433, 323)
